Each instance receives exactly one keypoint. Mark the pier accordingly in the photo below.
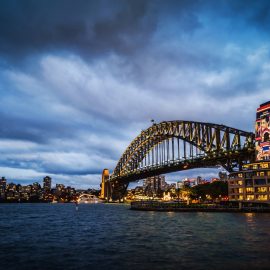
(181, 207)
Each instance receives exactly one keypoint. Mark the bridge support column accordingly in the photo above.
(105, 185)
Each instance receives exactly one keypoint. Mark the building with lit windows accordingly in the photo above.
(154, 184)
(252, 184)
(3, 185)
(47, 184)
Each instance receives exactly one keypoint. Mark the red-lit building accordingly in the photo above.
(252, 184)
(262, 132)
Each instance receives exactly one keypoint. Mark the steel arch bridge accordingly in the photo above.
(180, 145)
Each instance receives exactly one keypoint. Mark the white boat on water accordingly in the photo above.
(88, 198)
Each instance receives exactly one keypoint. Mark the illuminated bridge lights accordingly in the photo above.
(180, 145)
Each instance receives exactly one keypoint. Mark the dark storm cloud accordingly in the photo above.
(34, 130)
(84, 26)
(88, 27)
(256, 13)
(98, 27)
(80, 79)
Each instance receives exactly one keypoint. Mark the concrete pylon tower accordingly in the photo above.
(105, 185)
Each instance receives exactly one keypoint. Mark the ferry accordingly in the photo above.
(88, 198)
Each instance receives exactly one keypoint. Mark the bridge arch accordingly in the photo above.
(180, 145)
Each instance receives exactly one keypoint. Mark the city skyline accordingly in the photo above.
(76, 90)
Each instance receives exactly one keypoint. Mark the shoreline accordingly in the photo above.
(213, 210)
(175, 207)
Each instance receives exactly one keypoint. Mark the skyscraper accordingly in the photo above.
(3, 184)
(154, 184)
(47, 184)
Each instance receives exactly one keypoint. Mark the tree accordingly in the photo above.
(214, 190)
(187, 193)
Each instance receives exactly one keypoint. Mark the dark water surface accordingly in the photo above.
(101, 236)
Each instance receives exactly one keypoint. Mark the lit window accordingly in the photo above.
(249, 190)
(262, 197)
(262, 189)
(264, 165)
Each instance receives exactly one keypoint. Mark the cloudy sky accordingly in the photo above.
(80, 79)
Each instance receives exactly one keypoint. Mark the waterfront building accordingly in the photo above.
(130, 195)
(155, 183)
(252, 183)
(199, 180)
(34, 193)
(152, 186)
(179, 184)
(25, 192)
(139, 194)
(11, 187)
(3, 185)
(47, 184)
(59, 189)
(190, 182)
(167, 196)
(36, 186)
(71, 191)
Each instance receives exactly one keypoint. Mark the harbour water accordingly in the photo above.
(110, 236)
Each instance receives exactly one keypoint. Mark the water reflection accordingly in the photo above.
(250, 219)
(114, 237)
(170, 214)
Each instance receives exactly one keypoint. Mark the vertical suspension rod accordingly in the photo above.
(172, 148)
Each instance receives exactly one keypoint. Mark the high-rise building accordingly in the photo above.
(60, 187)
(155, 183)
(262, 132)
(199, 180)
(47, 184)
(180, 184)
(36, 186)
(252, 184)
(3, 184)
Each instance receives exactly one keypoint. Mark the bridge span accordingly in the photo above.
(175, 146)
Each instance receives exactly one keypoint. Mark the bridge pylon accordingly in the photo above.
(105, 185)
